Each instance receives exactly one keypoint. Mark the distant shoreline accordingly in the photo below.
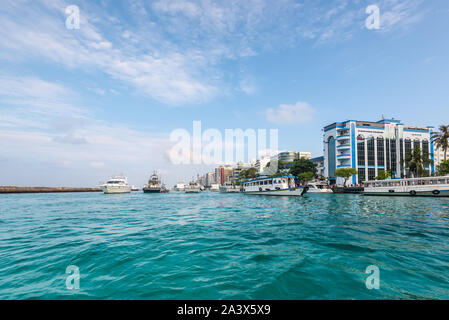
(8, 189)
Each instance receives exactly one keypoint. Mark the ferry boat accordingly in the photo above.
(154, 185)
(273, 186)
(414, 187)
(116, 185)
(229, 188)
(192, 188)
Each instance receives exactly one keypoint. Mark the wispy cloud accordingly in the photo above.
(301, 112)
(173, 54)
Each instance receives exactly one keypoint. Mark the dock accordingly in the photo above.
(6, 189)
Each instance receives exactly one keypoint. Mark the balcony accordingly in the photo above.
(344, 156)
(343, 137)
(344, 146)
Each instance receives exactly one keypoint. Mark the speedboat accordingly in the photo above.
(318, 188)
(116, 185)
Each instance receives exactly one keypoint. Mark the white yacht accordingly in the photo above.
(318, 188)
(229, 188)
(415, 187)
(116, 185)
(192, 188)
(273, 186)
(180, 187)
(215, 187)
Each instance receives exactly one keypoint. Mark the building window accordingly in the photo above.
(331, 157)
(380, 152)
(393, 155)
(362, 176)
(401, 157)
(371, 174)
(371, 154)
(425, 149)
(361, 151)
(387, 147)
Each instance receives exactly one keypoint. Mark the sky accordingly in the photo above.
(78, 105)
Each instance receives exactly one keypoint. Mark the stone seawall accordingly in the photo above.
(46, 189)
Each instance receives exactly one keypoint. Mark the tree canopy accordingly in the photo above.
(345, 173)
(383, 175)
(416, 162)
(443, 168)
(248, 173)
(441, 139)
(302, 166)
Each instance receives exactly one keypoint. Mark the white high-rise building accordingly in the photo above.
(370, 147)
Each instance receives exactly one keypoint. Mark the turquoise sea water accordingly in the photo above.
(222, 246)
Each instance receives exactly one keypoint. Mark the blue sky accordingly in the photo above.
(77, 106)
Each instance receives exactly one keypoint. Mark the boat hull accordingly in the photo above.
(192, 190)
(294, 192)
(116, 189)
(145, 190)
(442, 193)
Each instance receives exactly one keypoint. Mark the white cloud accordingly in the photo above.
(301, 112)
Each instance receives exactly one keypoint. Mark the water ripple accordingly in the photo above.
(216, 246)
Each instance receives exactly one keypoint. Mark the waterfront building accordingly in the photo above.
(222, 173)
(304, 155)
(209, 179)
(370, 147)
(287, 156)
(238, 169)
(439, 156)
(261, 164)
(319, 162)
(290, 156)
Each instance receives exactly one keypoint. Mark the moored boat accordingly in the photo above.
(318, 188)
(229, 188)
(192, 188)
(154, 184)
(414, 187)
(273, 186)
(215, 188)
(116, 185)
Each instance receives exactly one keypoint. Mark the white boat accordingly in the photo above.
(414, 187)
(215, 187)
(116, 185)
(192, 188)
(180, 187)
(273, 186)
(318, 188)
(229, 188)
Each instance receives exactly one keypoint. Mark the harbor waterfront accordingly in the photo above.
(222, 246)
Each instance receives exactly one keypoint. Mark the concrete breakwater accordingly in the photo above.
(7, 189)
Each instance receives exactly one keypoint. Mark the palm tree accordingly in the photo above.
(416, 162)
(441, 139)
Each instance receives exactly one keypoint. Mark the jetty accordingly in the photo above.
(6, 189)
